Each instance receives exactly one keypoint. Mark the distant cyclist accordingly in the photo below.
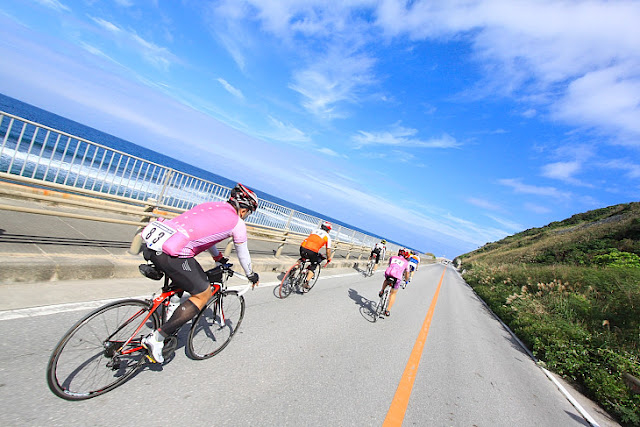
(396, 272)
(173, 245)
(310, 248)
(378, 251)
(414, 261)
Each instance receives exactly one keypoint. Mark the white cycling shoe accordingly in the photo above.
(154, 347)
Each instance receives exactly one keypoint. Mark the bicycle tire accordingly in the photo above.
(313, 281)
(287, 283)
(370, 268)
(382, 304)
(209, 335)
(87, 362)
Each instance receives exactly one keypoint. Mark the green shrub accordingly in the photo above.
(583, 322)
(616, 258)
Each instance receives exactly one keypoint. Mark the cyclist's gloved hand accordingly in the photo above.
(221, 259)
(253, 278)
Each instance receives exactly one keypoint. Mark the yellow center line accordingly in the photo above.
(400, 401)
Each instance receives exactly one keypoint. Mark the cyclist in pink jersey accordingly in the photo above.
(396, 272)
(172, 246)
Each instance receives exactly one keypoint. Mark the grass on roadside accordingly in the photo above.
(583, 322)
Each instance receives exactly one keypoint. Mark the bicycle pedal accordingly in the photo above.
(150, 359)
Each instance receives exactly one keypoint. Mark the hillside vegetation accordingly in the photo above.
(571, 292)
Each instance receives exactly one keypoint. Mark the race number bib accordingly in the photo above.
(155, 234)
(397, 262)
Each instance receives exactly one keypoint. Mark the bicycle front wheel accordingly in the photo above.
(288, 281)
(314, 279)
(215, 325)
(92, 358)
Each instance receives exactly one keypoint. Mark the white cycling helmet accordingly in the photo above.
(242, 197)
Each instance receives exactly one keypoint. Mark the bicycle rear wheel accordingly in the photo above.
(215, 325)
(90, 358)
(382, 305)
(288, 281)
(370, 268)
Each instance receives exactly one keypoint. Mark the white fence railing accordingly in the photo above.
(39, 153)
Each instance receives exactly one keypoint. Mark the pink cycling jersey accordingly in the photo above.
(203, 226)
(397, 266)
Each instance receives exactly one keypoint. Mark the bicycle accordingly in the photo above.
(370, 265)
(103, 349)
(381, 308)
(296, 276)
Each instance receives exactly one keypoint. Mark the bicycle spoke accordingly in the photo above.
(90, 359)
(216, 324)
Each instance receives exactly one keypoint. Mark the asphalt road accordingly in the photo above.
(314, 359)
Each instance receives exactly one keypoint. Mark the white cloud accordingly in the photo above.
(109, 26)
(517, 186)
(531, 207)
(332, 80)
(511, 225)
(158, 56)
(402, 137)
(580, 58)
(632, 169)
(482, 203)
(415, 220)
(329, 152)
(608, 99)
(55, 5)
(284, 132)
(561, 170)
(232, 90)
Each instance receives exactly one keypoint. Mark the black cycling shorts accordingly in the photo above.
(314, 257)
(186, 273)
(376, 253)
(393, 281)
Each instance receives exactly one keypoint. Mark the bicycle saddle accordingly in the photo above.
(150, 271)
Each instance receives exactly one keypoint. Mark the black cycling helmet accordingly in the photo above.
(242, 197)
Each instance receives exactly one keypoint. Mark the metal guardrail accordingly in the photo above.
(37, 155)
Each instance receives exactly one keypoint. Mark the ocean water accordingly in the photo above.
(38, 115)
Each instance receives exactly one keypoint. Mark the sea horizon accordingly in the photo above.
(38, 115)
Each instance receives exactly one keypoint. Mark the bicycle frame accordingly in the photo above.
(167, 293)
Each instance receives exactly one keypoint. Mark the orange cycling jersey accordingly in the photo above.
(317, 240)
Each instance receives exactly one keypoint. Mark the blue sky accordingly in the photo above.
(440, 125)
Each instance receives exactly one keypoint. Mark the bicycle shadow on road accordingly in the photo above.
(367, 306)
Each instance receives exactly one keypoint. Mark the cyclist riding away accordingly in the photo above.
(310, 248)
(397, 271)
(378, 251)
(414, 260)
(173, 245)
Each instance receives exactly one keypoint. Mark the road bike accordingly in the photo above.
(381, 307)
(296, 277)
(103, 349)
(370, 265)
